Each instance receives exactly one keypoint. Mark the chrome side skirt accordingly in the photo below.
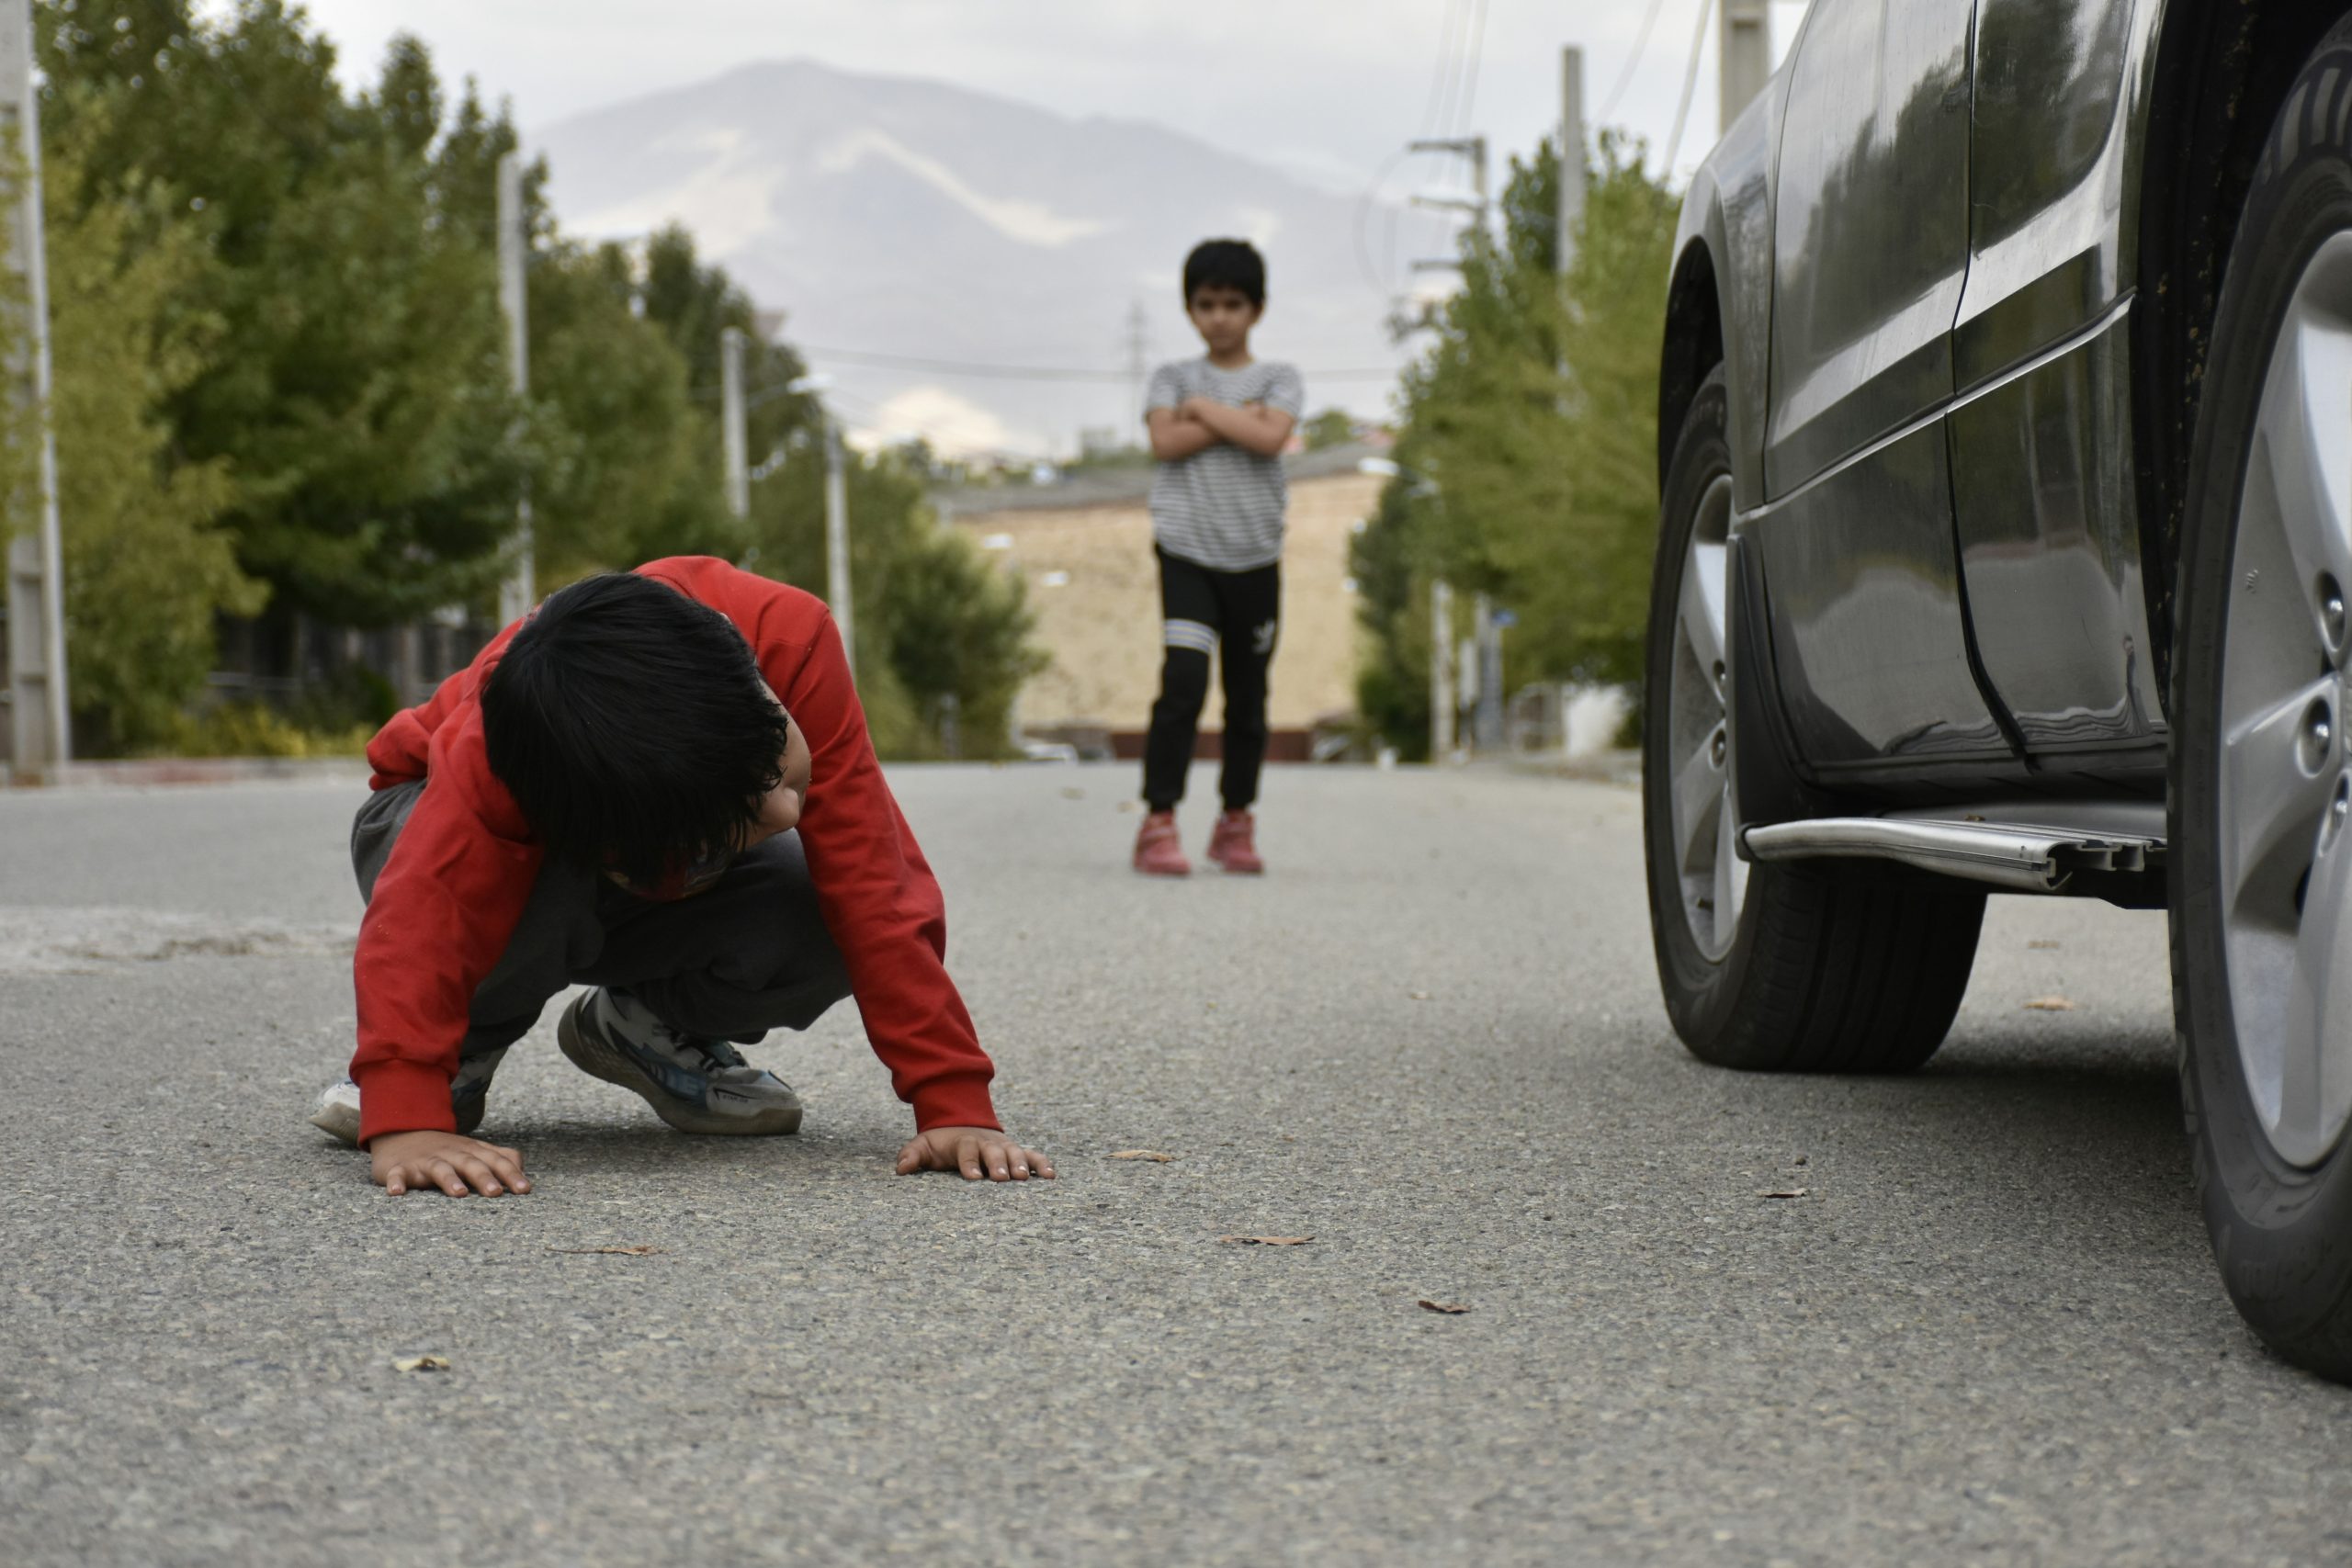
(2016, 851)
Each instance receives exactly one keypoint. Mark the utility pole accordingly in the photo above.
(1486, 636)
(1139, 363)
(1473, 148)
(1571, 215)
(730, 381)
(1441, 670)
(837, 541)
(1747, 55)
(41, 725)
(520, 591)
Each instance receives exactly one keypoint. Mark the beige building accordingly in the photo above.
(1085, 548)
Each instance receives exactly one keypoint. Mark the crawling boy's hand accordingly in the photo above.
(458, 1166)
(978, 1152)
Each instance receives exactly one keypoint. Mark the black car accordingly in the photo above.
(2005, 451)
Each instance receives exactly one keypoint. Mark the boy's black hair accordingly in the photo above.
(630, 725)
(1225, 264)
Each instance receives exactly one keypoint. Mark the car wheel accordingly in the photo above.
(1802, 967)
(2262, 785)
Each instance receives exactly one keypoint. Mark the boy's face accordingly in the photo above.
(1223, 317)
(780, 809)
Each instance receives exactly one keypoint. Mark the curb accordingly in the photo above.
(148, 773)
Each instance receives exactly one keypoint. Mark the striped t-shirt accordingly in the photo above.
(1222, 507)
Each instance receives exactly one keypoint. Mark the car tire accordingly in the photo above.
(1817, 965)
(2257, 811)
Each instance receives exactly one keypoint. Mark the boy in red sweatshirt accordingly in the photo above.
(659, 784)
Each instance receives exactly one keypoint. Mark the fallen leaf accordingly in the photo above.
(1452, 1309)
(1801, 1158)
(2049, 1004)
(1787, 1192)
(2041, 946)
(1152, 1154)
(1419, 996)
(422, 1364)
(1126, 805)
(1268, 1240)
(614, 1251)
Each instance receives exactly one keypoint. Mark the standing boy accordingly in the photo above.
(1218, 426)
(657, 783)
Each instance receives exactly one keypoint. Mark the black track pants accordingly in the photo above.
(1239, 615)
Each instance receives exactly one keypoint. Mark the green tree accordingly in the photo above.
(359, 394)
(147, 570)
(959, 629)
(1333, 427)
(1535, 412)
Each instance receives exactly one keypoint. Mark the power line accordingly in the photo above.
(1471, 57)
(1030, 372)
(1641, 46)
(1689, 85)
(1440, 78)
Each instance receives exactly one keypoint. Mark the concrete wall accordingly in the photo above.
(1102, 625)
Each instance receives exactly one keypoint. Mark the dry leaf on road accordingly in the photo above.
(1419, 996)
(1152, 1154)
(2049, 1004)
(614, 1251)
(1451, 1309)
(422, 1364)
(1268, 1240)
(2041, 946)
(1787, 1192)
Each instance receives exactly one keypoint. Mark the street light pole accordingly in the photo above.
(837, 541)
(1571, 203)
(732, 416)
(40, 723)
(837, 594)
(520, 591)
(1745, 55)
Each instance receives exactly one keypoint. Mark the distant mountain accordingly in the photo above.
(900, 218)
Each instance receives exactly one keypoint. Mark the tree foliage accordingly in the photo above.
(147, 569)
(282, 377)
(1530, 438)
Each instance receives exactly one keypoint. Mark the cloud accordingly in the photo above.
(954, 425)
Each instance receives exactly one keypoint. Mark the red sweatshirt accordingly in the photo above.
(450, 896)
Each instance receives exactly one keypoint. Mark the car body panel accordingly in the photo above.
(1728, 212)
(1870, 258)
(2047, 512)
(1867, 635)
(1870, 225)
(2045, 493)
(2039, 588)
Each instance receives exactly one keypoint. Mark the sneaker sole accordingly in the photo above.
(600, 1060)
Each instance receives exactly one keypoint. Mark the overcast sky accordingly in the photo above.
(1327, 88)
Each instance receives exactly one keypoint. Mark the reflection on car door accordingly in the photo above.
(2041, 441)
(1871, 253)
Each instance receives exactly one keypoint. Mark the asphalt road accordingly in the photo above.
(1987, 1332)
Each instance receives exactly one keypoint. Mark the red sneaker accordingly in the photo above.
(1159, 852)
(1233, 846)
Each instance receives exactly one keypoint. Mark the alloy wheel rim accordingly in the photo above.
(2285, 785)
(1712, 876)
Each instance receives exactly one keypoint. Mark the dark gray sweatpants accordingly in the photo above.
(748, 954)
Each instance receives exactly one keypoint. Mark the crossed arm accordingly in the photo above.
(1198, 424)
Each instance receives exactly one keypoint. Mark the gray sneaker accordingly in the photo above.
(696, 1084)
(337, 1114)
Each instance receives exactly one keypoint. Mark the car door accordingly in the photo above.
(1872, 230)
(2043, 474)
